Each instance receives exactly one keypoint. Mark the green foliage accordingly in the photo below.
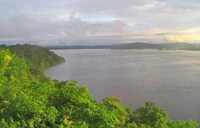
(183, 124)
(151, 115)
(41, 103)
(121, 112)
(38, 58)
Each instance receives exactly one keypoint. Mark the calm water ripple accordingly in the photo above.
(168, 78)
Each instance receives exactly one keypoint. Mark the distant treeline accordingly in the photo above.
(138, 45)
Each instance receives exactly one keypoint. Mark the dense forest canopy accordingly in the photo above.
(38, 58)
(28, 99)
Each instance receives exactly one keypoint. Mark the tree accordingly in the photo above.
(152, 115)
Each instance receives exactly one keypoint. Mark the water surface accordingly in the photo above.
(168, 78)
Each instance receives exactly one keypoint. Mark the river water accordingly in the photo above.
(170, 79)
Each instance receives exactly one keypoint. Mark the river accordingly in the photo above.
(170, 79)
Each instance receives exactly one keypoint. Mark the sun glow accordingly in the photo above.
(190, 37)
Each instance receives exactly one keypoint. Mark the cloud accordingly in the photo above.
(189, 37)
(67, 20)
(118, 26)
(154, 31)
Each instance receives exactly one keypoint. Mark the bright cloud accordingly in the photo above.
(189, 37)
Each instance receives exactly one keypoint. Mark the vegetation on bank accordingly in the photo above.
(38, 58)
(43, 102)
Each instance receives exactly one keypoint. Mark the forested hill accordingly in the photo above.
(136, 45)
(47, 103)
(38, 58)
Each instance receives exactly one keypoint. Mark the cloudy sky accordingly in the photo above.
(99, 21)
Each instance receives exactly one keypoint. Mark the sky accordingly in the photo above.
(71, 22)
